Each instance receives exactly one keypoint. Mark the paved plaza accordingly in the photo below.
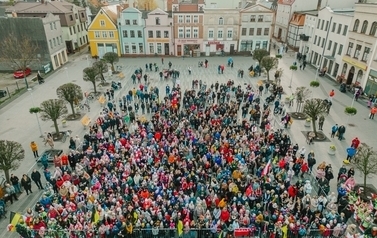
(19, 125)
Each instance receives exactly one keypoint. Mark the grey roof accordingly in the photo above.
(38, 7)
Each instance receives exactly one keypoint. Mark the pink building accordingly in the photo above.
(158, 31)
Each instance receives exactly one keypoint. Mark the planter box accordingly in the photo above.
(331, 152)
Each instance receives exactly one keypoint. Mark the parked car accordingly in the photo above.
(20, 73)
(3, 93)
(50, 155)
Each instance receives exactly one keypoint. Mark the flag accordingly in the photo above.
(267, 168)
(14, 219)
(95, 215)
(180, 228)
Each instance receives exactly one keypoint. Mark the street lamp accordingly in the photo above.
(87, 60)
(323, 50)
(32, 99)
(66, 71)
(353, 101)
(292, 68)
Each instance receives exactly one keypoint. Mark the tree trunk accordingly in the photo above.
(7, 176)
(73, 109)
(268, 75)
(314, 128)
(102, 77)
(112, 67)
(95, 87)
(365, 183)
(56, 127)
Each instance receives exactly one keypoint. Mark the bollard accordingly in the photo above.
(18, 89)
(8, 93)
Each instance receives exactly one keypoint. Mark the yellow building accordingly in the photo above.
(103, 32)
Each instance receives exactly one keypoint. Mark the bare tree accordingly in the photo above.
(366, 162)
(18, 52)
(314, 108)
(70, 93)
(11, 154)
(302, 94)
(90, 75)
(53, 109)
(258, 55)
(269, 63)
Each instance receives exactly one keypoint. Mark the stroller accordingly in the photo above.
(200, 64)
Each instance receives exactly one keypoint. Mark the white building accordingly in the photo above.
(286, 8)
(255, 28)
(220, 31)
(308, 35)
(331, 32)
(360, 59)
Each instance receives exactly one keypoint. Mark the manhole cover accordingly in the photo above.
(351, 125)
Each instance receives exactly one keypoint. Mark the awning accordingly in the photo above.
(329, 57)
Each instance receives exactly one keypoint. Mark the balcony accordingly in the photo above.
(304, 37)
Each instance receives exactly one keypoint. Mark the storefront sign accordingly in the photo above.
(188, 41)
(158, 40)
(213, 42)
(355, 63)
(47, 68)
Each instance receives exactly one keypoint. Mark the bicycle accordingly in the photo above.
(66, 135)
(82, 106)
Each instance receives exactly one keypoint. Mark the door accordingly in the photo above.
(179, 50)
(208, 49)
(279, 33)
(166, 46)
(231, 49)
(351, 73)
(101, 50)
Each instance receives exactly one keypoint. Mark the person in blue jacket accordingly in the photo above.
(341, 192)
(351, 151)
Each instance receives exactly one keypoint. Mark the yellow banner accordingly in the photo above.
(102, 99)
(355, 62)
(85, 120)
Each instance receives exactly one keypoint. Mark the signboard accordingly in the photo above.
(355, 63)
(47, 68)
(102, 99)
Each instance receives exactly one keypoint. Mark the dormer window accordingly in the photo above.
(158, 21)
(175, 8)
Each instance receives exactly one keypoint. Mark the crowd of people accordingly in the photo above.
(190, 167)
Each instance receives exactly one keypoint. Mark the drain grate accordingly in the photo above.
(352, 125)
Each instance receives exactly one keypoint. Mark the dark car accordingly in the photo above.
(50, 155)
(3, 93)
(19, 73)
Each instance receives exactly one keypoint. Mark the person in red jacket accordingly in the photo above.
(355, 143)
(304, 169)
(292, 191)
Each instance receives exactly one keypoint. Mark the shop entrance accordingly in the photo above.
(179, 50)
(189, 49)
(351, 73)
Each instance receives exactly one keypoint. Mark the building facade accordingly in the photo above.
(359, 62)
(220, 32)
(307, 37)
(103, 32)
(131, 32)
(188, 27)
(158, 31)
(255, 28)
(329, 41)
(296, 29)
(73, 19)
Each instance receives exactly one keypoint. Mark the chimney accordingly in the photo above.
(319, 5)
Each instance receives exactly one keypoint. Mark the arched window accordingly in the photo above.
(373, 29)
(364, 27)
(356, 26)
(221, 21)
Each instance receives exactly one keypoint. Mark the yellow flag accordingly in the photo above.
(284, 229)
(96, 216)
(180, 228)
(16, 218)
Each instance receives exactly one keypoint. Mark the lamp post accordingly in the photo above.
(39, 124)
(353, 101)
(292, 68)
(66, 71)
(323, 50)
(87, 60)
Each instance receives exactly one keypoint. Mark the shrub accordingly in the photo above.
(350, 110)
(314, 84)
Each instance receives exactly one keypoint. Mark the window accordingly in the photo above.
(357, 51)
(195, 19)
(151, 48)
(319, 41)
(356, 25)
(229, 34)
(373, 29)
(125, 34)
(266, 31)
(188, 19)
(166, 34)
(133, 48)
(315, 40)
(71, 17)
(340, 50)
(54, 25)
(195, 32)
(128, 22)
(257, 45)
(104, 34)
(210, 34)
(252, 18)
(345, 29)
(180, 33)
(260, 18)
(76, 16)
(111, 34)
(322, 24)
(50, 44)
(251, 31)
(349, 50)
(188, 32)
(82, 15)
(334, 49)
(74, 29)
(221, 21)
(366, 54)
(126, 49)
(78, 28)
(80, 41)
(243, 32)
(51, 26)
(329, 46)
(54, 42)
(132, 34)
(219, 34)
(141, 48)
(150, 34)
(158, 34)
(139, 34)
(364, 27)
(259, 31)
(333, 27)
(134, 22)
(97, 34)
(339, 28)
(264, 45)
(81, 27)
(327, 25)
(159, 48)
(102, 23)
(319, 23)
(157, 21)
(180, 19)
(61, 40)
(323, 42)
